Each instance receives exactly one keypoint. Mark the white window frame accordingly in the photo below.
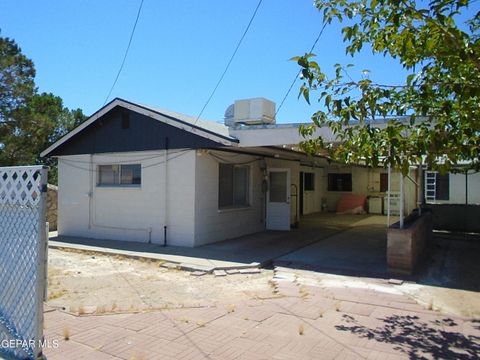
(118, 176)
(248, 190)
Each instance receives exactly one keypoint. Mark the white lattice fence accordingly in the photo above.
(22, 255)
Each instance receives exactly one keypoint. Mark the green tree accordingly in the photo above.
(29, 122)
(33, 127)
(439, 100)
(16, 78)
(16, 87)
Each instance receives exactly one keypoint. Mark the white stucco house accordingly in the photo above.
(138, 173)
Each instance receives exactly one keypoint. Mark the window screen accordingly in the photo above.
(383, 182)
(233, 185)
(339, 182)
(240, 185)
(108, 174)
(442, 182)
(120, 174)
(278, 186)
(130, 174)
(309, 181)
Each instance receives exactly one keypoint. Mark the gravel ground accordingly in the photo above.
(82, 282)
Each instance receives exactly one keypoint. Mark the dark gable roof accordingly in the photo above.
(125, 126)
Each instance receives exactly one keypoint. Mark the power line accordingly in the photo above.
(229, 61)
(126, 51)
(298, 74)
(72, 163)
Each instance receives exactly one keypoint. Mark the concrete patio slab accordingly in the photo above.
(359, 250)
(251, 251)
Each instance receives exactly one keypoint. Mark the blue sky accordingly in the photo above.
(179, 50)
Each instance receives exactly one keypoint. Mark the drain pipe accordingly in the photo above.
(165, 197)
(420, 189)
(401, 199)
(90, 190)
(465, 218)
(388, 194)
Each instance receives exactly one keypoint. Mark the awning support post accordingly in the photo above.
(388, 194)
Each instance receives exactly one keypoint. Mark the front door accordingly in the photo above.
(278, 199)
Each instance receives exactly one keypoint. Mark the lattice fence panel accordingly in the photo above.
(22, 254)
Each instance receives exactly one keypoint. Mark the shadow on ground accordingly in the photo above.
(352, 245)
(418, 338)
(259, 248)
(452, 261)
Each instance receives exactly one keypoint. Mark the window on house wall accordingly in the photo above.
(309, 181)
(442, 182)
(233, 189)
(278, 183)
(120, 175)
(437, 186)
(339, 182)
(383, 182)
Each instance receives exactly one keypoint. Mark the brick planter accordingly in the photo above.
(406, 246)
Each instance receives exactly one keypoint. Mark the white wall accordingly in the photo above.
(366, 181)
(312, 200)
(281, 134)
(294, 167)
(212, 224)
(73, 199)
(138, 214)
(457, 189)
(275, 135)
(129, 213)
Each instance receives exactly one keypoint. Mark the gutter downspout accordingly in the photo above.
(165, 197)
(401, 199)
(421, 189)
(466, 200)
(466, 187)
(90, 192)
(388, 194)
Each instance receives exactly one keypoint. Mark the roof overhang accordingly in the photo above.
(280, 134)
(152, 113)
(276, 135)
(284, 152)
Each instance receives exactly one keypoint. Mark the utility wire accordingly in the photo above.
(126, 51)
(72, 163)
(229, 61)
(298, 74)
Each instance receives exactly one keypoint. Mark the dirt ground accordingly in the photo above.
(94, 283)
(84, 283)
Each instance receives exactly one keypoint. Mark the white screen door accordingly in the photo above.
(278, 199)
